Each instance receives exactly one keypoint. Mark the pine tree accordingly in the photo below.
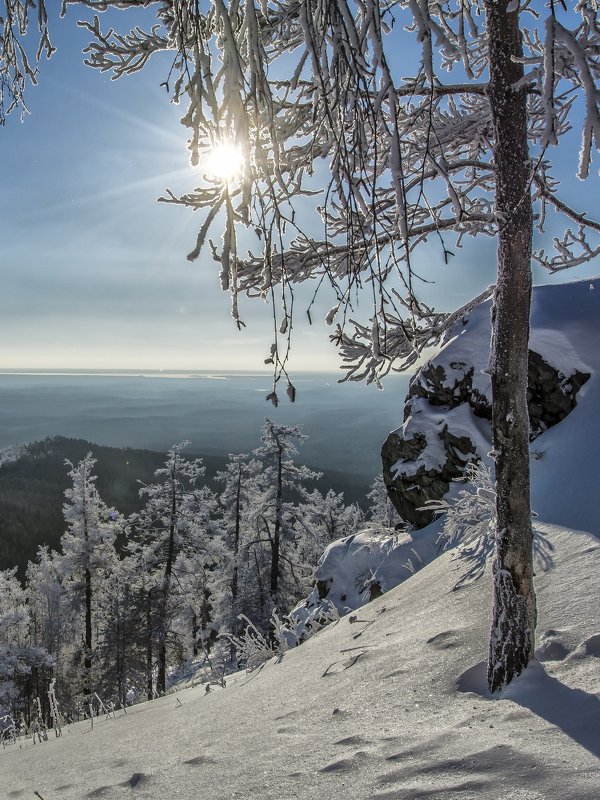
(381, 510)
(88, 555)
(198, 563)
(275, 524)
(45, 596)
(20, 660)
(121, 647)
(235, 590)
(161, 530)
(145, 585)
(48, 610)
(321, 520)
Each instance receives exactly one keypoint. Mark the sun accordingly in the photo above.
(224, 162)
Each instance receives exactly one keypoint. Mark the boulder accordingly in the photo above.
(448, 412)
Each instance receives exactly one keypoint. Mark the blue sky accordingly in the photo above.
(94, 271)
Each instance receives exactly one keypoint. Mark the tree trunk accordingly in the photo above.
(195, 630)
(276, 541)
(236, 538)
(514, 612)
(87, 657)
(161, 680)
(149, 687)
(259, 583)
(87, 662)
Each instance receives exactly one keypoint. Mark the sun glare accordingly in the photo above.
(224, 162)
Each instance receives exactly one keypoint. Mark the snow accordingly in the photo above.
(564, 319)
(388, 703)
(426, 422)
(467, 344)
(367, 709)
(568, 452)
(12, 453)
(351, 566)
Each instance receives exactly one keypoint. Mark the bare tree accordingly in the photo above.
(311, 92)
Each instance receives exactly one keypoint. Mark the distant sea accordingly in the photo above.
(219, 413)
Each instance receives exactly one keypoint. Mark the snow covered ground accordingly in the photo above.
(365, 709)
(388, 703)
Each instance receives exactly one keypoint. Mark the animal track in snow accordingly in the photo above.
(444, 640)
(351, 741)
(198, 761)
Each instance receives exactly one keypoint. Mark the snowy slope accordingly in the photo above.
(368, 709)
(565, 476)
(565, 332)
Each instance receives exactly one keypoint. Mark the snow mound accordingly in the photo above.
(356, 569)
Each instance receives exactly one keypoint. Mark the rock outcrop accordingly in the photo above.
(447, 412)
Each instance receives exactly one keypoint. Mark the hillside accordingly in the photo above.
(32, 491)
(366, 709)
(33, 479)
(447, 423)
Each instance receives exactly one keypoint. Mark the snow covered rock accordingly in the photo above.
(357, 569)
(447, 413)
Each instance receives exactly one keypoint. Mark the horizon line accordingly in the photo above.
(117, 371)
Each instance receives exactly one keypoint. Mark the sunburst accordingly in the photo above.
(224, 162)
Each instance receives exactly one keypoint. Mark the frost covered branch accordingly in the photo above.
(395, 343)
(18, 62)
(124, 55)
(307, 93)
(470, 524)
(571, 250)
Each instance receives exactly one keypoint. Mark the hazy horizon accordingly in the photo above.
(155, 370)
(219, 412)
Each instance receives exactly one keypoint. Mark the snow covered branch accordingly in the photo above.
(18, 62)
(308, 95)
(395, 343)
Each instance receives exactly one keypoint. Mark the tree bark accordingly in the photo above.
(87, 661)
(236, 537)
(276, 541)
(149, 687)
(514, 611)
(195, 630)
(161, 679)
(87, 657)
